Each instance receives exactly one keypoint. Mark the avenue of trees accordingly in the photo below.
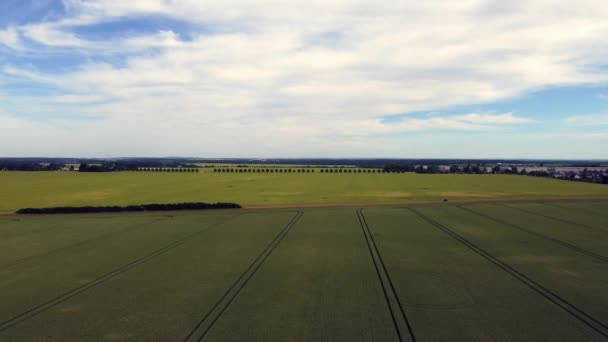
(294, 170)
(244, 169)
(390, 168)
(349, 170)
(164, 169)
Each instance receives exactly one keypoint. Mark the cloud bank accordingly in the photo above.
(276, 78)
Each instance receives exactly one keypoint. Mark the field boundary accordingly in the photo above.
(129, 228)
(34, 311)
(543, 236)
(425, 202)
(553, 217)
(233, 291)
(571, 309)
(401, 204)
(390, 294)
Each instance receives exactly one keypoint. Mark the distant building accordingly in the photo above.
(444, 168)
(536, 168)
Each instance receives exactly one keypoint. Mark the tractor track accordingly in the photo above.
(554, 218)
(543, 236)
(579, 314)
(129, 228)
(586, 211)
(393, 302)
(202, 328)
(34, 311)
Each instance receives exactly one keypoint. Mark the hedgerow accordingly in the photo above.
(129, 208)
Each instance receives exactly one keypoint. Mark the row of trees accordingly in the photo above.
(293, 170)
(350, 170)
(108, 167)
(155, 169)
(130, 208)
(263, 170)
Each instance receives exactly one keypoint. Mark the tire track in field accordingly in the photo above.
(30, 232)
(205, 324)
(21, 218)
(543, 236)
(553, 218)
(34, 311)
(586, 211)
(79, 243)
(579, 314)
(401, 323)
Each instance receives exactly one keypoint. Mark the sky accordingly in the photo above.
(315, 78)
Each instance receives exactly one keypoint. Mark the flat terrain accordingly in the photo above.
(49, 189)
(493, 272)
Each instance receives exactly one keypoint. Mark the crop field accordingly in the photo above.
(51, 189)
(524, 271)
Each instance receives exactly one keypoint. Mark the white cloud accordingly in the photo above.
(9, 70)
(10, 38)
(302, 71)
(496, 119)
(467, 122)
(587, 120)
(164, 39)
(52, 35)
(91, 139)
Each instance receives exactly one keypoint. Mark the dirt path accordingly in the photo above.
(406, 203)
(349, 205)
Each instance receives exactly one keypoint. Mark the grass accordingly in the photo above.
(156, 299)
(525, 271)
(451, 293)
(319, 285)
(576, 278)
(46, 189)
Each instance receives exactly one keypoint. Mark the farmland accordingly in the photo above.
(51, 189)
(522, 271)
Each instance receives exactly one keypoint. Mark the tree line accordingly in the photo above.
(349, 170)
(162, 169)
(104, 166)
(129, 208)
(264, 170)
(401, 168)
(17, 165)
(294, 170)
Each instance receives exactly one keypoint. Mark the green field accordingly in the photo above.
(525, 271)
(50, 189)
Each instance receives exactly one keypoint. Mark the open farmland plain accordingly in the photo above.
(53, 189)
(524, 271)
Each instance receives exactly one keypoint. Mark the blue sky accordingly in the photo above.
(332, 78)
